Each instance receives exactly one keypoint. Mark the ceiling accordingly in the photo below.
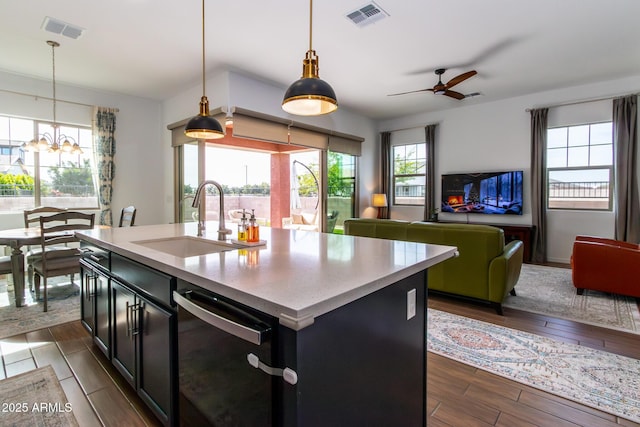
(152, 48)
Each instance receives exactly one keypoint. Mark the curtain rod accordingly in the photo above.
(30, 95)
(584, 101)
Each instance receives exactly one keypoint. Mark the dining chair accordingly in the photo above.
(58, 230)
(32, 219)
(5, 265)
(127, 216)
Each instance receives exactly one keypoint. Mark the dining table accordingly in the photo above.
(16, 239)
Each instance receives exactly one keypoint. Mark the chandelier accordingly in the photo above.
(53, 143)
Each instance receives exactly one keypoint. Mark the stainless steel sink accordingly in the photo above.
(187, 246)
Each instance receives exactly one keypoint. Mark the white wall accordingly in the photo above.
(138, 138)
(496, 136)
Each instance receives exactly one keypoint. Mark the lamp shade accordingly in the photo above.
(203, 126)
(379, 200)
(309, 96)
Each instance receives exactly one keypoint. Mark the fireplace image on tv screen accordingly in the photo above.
(498, 193)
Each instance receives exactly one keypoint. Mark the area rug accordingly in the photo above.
(35, 398)
(601, 380)
(63, 305)
(550, 291)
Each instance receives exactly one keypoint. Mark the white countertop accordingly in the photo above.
(297, 276)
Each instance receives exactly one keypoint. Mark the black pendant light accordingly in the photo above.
(310, 95)
(203, 126)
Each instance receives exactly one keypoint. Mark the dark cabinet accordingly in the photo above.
(144, 329)
(125, 322)
(95, 305)
(141, 347)
(524, 233)
(155, 366)
(102, 331)
(127, 308)
(87, 306)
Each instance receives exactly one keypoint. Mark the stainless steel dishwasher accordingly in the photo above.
(220, 345)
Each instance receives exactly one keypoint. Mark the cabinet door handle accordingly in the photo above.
(251, 334)
(288, 374)
(135, 315)
(142, 319)
(89, 293)
(127, 317)
(133, 324)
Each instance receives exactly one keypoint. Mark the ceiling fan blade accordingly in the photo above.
(413, 91)
(459, 79)
(453, 94)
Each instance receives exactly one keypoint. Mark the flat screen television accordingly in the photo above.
(496, 193)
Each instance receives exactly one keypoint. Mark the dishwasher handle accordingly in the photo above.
(247, 333)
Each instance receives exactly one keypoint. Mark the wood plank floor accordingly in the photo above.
(458, 395)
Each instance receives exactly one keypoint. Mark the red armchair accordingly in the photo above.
(606, 265)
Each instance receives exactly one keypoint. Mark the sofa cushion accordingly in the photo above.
(309, 218)
(386, 229)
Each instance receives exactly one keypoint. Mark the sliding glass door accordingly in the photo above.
(341, 190)
(298, 188)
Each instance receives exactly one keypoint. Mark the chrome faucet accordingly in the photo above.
(222, 230)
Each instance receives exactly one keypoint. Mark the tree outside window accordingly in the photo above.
(29, 179)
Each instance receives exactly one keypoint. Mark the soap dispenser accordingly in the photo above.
(253, 232)
(242, 227)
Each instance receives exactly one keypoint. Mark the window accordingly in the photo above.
(29, 179)
(580, 167)
(409, 174)
(341, 182)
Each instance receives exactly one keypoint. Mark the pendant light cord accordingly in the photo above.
(203, 79)
(310, 24)
(53, 59)
(53, 45)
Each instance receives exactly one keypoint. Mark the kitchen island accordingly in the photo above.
(345, 320)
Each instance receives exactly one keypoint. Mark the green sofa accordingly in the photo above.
(486, 269)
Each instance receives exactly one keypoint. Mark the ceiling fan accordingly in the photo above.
(442, 88)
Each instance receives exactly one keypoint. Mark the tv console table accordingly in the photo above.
(524, 233)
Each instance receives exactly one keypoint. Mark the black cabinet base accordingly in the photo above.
(362, 364)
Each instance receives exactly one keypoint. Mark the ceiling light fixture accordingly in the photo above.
(310, 95)
(57, 142)
(203, 126)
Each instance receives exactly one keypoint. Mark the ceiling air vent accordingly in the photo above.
(59, 27)
(367, 14)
